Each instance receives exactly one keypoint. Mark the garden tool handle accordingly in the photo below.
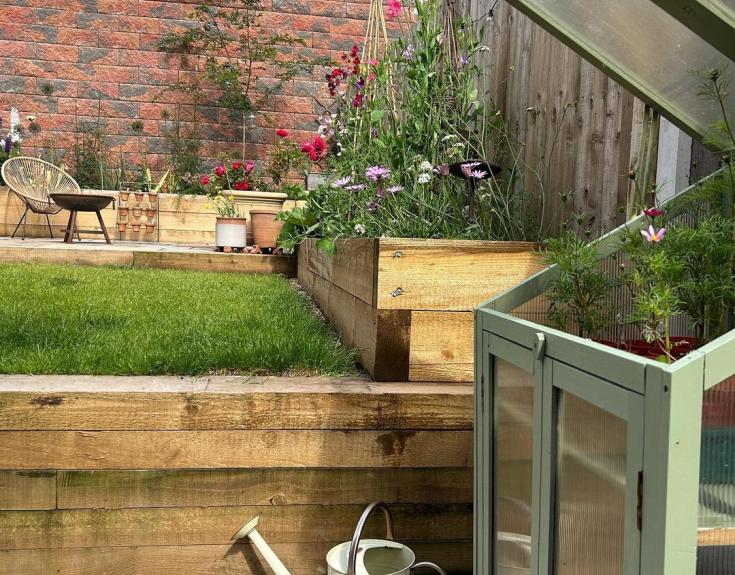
(355, 544)
(428, 565)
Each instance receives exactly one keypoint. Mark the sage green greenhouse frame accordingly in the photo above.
(661, 403)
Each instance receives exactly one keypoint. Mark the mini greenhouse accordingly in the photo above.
(591, 459)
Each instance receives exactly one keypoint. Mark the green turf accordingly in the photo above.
(82, 320)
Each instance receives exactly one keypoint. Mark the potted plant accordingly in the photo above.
(266, 228)
(150, 212)
(123, 212)
(149, 227)
(231, 228)
(137, 211)
(136, 226)
(121, 226)
(124, 195)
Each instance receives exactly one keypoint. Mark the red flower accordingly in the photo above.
(354, 51)
(654, 212)
(236, 165)
(319, 144)
(220, 170)
(282, 133)
(205, 180)
(306, 147)
(357, 100)
(242, 185)
(249, 166)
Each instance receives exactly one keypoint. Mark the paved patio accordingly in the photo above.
(141, 254)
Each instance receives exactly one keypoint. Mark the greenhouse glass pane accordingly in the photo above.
(590, 489)
(648, 50)
(513, 465)
(716, 535)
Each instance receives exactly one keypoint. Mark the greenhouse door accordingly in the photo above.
(591, 475)
(558, 465)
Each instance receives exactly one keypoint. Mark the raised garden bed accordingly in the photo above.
(406, 304)
(186, 220)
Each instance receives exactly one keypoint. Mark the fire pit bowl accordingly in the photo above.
(82, 202)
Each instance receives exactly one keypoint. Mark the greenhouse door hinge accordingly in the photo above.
(639, 506)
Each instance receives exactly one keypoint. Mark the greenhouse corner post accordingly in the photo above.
(672, 435)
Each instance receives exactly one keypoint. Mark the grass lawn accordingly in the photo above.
(84, 320)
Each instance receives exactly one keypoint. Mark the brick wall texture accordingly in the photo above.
(102, 55)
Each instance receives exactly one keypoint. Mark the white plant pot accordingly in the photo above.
(253, 200)
(231, 233)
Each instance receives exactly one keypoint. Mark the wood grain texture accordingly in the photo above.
(232, 487)
(228, 449)
(215, 525)
(188, 410)
(236, 559)
(442, 346)
(67, 256)
(450, 274)
(352, 267)
(24, 490)
(217, 262)
(576, 128)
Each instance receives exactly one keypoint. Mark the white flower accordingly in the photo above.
(360, 229)
(448, 137)
(425, 166)
(424, 178)
(14, 119)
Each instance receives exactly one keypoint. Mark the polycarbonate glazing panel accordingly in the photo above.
(513, 466)
(654, 54)
(590, 489)
(716, 536)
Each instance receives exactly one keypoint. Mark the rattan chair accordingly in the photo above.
(33, 181)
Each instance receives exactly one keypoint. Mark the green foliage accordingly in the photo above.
(93, 165)
(125, 321)
(233, 45)
(415, 112)
(578, 294)
(703, 277)
(183, 144)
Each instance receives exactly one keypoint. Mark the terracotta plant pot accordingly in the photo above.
(149, 228)
(139, 196)
(123, 213)
(136, 227)
(150, 213)
(121, 226)
(137, 212)
(231, 233)
(266, 227)
(124, 196)
(153, 197)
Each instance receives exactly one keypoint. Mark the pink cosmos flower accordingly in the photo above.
(653, 235)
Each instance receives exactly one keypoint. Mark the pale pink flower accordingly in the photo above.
(653, 235)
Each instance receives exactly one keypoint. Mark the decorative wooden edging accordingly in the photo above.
(406, 304)
(144, 475)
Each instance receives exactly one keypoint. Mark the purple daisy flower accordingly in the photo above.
(376, 173)
(341, 182)
(394, 189)
(355, 188)
(478, 174)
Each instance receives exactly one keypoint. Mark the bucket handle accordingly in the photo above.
(428, 565)
(355, 544)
